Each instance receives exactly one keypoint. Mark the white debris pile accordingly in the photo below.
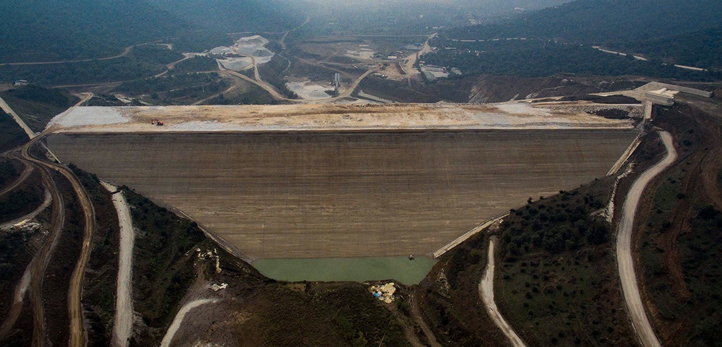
(25, 226)
(217, 287)
(210, 255)
(384, 292)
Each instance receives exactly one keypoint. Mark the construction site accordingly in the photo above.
(339, 181)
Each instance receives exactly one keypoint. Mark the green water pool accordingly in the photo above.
(399, 269)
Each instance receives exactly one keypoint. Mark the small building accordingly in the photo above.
(18, 83)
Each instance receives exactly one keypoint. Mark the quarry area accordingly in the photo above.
(339, 180)
(341, 117)
(243, 53)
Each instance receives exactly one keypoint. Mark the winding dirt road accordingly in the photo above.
(44, 256)
(486, 291)
(283, 38)
(178, 320)
(35, 271)
(277, 96)
(77, 330)
(625, 261)
(123, 323)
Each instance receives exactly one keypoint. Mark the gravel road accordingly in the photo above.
(123, 323)
(625, 261)
(486, 290)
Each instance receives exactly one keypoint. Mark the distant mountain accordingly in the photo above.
(48, 30)
(603, 21)
(234, 15)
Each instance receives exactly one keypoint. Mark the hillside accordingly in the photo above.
(602, 21)
(700, 48)
(233, 15)
(45, 30)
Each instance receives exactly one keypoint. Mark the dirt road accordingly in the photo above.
(419, 319)
(44, 256)
(441, 251)
(283, 38)
(277, 96)
(486, 291)
(4, 105)
(171, 66)
(168, 338)
(125, 52)
(35, 271)
(625, 261)
(123, 323)
(77, 330)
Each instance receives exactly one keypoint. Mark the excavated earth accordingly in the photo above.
(338, 193)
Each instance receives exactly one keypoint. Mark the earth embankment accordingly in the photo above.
(307, 195)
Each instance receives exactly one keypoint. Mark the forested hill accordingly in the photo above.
(234, 15)
(49, 30)
(700, 48)
(604, 21)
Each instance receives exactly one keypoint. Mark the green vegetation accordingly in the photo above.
(701, 48)
(7, 171)
(12, 135)
(19, 202)
(162, 266)
(175, 88)
(563, 223)
(46, 30)
(450, 301)
(197, 63)
(155, 54)
(323, 314)
(558, 40)
(538, 58)
(699, 251)
(96, 71)
(253, 95)
(594, 21)
(226, 16)
(557, 283)
(99, 288)
(36, 105)
(680, 240)
(272, 72)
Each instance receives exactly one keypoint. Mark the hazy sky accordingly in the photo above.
(481, 4)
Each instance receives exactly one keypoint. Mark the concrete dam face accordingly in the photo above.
(355, 194)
